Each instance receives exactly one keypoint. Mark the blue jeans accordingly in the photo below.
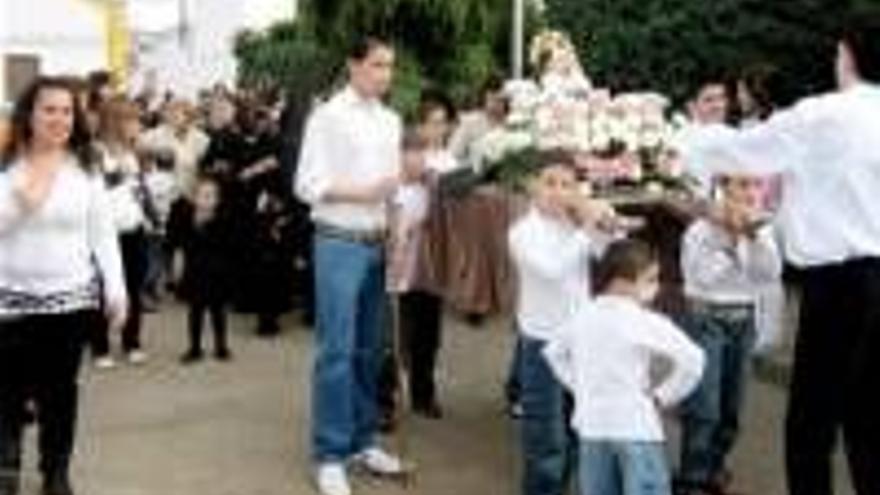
(623, 468)
(349, 290)
(512, 385)
(548, 446)
(155, 264)
(711, 415)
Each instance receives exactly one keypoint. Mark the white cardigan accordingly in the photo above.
(51, 259)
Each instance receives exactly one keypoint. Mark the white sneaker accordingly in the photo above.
(105, 363)
(137, 357)
(379, 462)
(332, 479)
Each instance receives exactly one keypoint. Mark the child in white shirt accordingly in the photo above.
(605, 355)
(727, 264)
(551, 247)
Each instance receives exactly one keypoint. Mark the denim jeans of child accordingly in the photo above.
(623, 468)
(711, 415)
(548, 445)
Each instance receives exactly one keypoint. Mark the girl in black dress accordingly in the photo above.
(201, 231)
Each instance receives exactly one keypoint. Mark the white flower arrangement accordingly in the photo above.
(617, 138)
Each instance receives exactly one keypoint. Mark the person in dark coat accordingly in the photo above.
(200, 230)
(244, 156)
(271, 268)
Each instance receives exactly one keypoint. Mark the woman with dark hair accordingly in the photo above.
(757, 93)
(59, 265)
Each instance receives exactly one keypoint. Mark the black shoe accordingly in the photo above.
(268, 333)
(192, 357)
(223, 354)
(430, 410)
(475, 320)
(57, 485)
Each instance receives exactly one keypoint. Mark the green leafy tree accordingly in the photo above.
(455, 45)
(671, 44)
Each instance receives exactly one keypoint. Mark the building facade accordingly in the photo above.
(182, 45)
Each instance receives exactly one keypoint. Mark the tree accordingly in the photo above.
(671, 44)
(454, 45)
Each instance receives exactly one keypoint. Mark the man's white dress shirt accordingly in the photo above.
(826, 148)
(348, 140)
(604, 356)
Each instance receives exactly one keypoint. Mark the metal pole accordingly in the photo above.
(518, 42)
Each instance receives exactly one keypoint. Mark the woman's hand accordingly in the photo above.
(32, 186)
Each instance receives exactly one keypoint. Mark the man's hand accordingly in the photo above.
(382, 189)
(376, 192)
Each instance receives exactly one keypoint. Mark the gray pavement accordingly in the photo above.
(242, 428)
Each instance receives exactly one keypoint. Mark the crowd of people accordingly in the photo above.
(111, 204)
(114, 205)
(231, 247)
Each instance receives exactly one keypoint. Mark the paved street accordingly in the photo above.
(240, 428)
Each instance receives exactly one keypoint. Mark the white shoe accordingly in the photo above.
(331, 479)
(379, 462)
(105, 363)
(137, 357)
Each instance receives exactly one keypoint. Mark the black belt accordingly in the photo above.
(369, 237)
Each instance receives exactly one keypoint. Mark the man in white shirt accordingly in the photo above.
(348, 170)
(826, 149)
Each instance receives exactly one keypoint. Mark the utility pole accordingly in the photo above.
(518, 41)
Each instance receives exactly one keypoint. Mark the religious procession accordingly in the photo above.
(506, 256)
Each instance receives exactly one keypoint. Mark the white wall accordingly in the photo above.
(206, 57)
(66, 35)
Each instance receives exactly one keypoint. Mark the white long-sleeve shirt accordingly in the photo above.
(552, 260)
(604, 356)
(188, 150)
(464, 142)
(352, 140)
(123, 195)
(50, 258)
(826, 149)
(683, 140)
(718, 269)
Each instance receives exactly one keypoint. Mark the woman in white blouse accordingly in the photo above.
(132, 209)
(59, 264)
